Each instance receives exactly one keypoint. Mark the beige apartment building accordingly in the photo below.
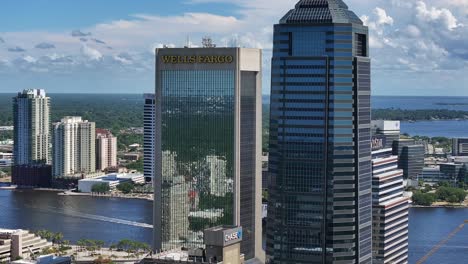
(74, 147)
(106, 150)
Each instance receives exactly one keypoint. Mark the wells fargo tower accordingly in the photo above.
(208, 146)
(320, 152)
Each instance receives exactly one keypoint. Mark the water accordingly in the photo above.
(420, 102)
(95, 218)
(428, 226)
(444, 128)
(77, 217)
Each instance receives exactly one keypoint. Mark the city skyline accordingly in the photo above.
(420, 44)
(234, 131)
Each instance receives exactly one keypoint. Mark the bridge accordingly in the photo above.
(442, 243)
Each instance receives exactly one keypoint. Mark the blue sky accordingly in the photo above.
(418, 47)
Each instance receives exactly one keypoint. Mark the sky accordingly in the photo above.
(418, 47)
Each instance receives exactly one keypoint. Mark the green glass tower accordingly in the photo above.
(208, 145)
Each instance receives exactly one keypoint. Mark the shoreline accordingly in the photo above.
(120, 196)
(70, 193)
(441, 206)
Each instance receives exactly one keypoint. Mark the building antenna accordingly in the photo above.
(188, 44)
(207, 42)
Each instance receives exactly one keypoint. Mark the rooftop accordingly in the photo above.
(320, 11)
(113, 177)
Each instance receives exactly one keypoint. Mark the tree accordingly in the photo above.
(137, 165)
(126, 187)
(427, 188)
(100, 188)
(57, 238)
(454, 194)
(452, 199)
(425, 199)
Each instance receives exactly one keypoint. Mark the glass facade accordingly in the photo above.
(197, 154)
(320, 207)
(208, 146)
(411, 157)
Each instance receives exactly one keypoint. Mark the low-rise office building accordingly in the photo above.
(410, 157)
(15, 244)
(5, 163)
(432, 174)
(460, 147)
(111, 180)
(387, 130)
(222, 245)
(445, 172)
(32, 175)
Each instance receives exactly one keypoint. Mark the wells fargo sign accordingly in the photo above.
(197, 59)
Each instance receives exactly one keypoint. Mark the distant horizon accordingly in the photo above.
(382, 95)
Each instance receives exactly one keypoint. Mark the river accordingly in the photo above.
(113, 219)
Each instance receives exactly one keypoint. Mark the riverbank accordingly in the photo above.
(441, 206)
(147, 197)
(14, 187)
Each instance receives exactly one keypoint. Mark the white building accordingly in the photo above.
(31, 119)
(6, 128)
(5, 163)
(217, 172)
(19, 244)
(106, 149)
(6, 159)
(388, 130)
(111, 180)
(149, 143)
(74, 147)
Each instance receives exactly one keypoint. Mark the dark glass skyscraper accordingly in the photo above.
(320, 143)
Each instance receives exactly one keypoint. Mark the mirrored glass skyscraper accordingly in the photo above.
(320, 143)
(208, 146)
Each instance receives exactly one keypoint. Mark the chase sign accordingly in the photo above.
(233, 236)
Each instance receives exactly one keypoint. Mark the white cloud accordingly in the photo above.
(91, 53)
(434, 15)
(406, 35)
(382, 17)
(412, 31)
(30, 59)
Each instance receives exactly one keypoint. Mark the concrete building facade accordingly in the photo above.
(16, 244)
(106, 150)
(74, 147)
(208, 125)
(390, 210)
